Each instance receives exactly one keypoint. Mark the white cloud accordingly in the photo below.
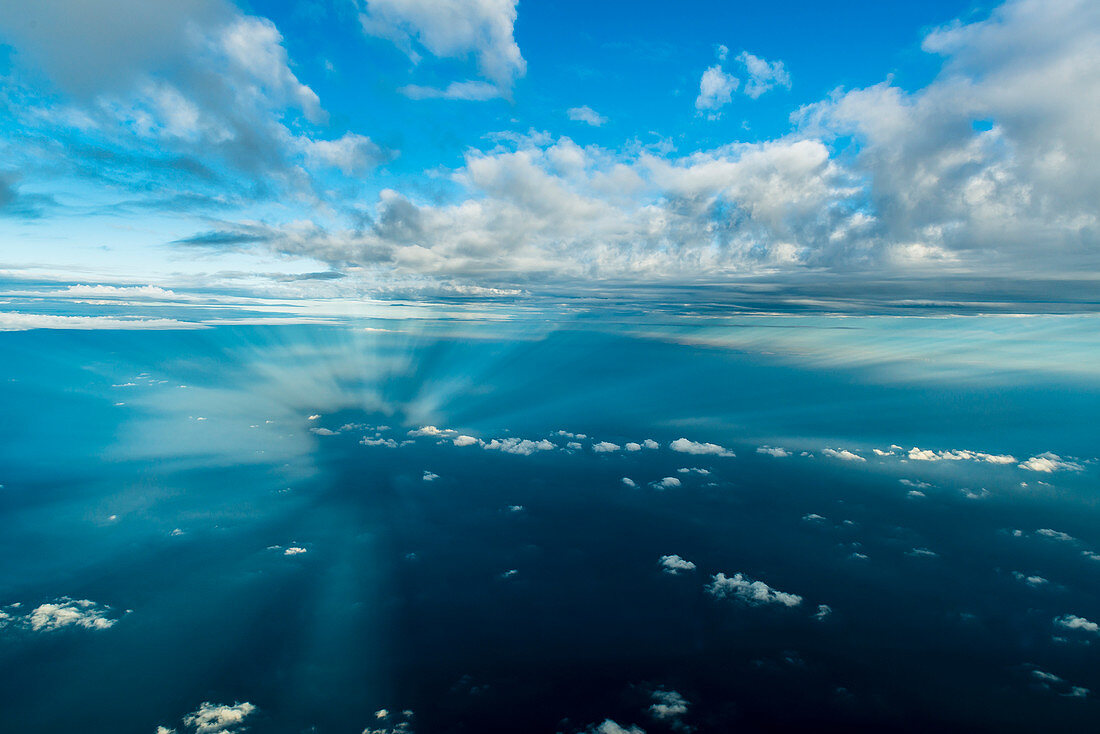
(668, 705)
(922, 553)
(586, 115)
(294, 550)
(1056, 535)
(843, 454)
(1073, 622)
(321, 431)
(675, 564)
(628, 482)
(520, 446)
(212, 718)
(1033, 580)
(451, 29)
(666, 483)
(429, 476)
(1048, 462)
(605, 447)
(693, 470)
(649, 443)
(685, 446)
(470, 91)
(431, 432)
(59, 614)
(388, 443)
(11, 321)
(465, 440)
(776, 451)
(631, 446)
(823, 611)
(763, 75)
(716, 89)
(755, 593)
(916, 454)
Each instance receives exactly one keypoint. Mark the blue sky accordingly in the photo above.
(487, 147)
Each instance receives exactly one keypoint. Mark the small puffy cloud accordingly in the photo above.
(510, 573)
(520, 446)
(612, 727)
(432, 431)
(649, 443)
(1056, 683)
(813, 517)
(716, 89)
(586, 115)
(674, 564)
(628, 482)
(1048, 462)
(429, 476)
(843, 454)
(212, 718)
(605, 447)
(776, 451)
(631, 446)
(1073, 622)
(668, 705)
(917, 454)
(352, 154)
(321, 431)
(59, 614)
(694, 470)
(922, 553)
(666, 483)
(464, 440)
(1032, 581)
(745, 589)
(763, 75)
(314, 417)
(388, 443)
(823, 611)
(686, 446)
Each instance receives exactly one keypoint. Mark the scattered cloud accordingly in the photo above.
(776, 451)
(745, 589)
(1048, 462)
(685, 446)
(60, 614)
(843, 454)
(668, 705)
(675, 565)
(586, 115)
(666, 483)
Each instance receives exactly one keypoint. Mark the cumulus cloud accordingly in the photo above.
(686, 446)
(1073, 622)
(675, 564)
(520, 446)
(628, 482)
(668, 705)
(666, 483)
(1048, 462)
(716, 89)
(605, 447)
(59, 614)
(763, 75)
(213, 718)
(586, 115)
(843, 454)
(916, 454)
(482, 29)
(745, 589)
(776, 451)
(294, 550)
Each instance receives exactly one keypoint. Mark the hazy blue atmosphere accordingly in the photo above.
(472, 366)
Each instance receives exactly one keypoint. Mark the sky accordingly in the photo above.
(359, 149)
